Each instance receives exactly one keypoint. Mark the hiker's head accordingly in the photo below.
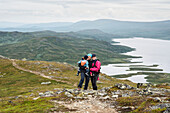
(94, 57)
(85, 57)
(89, 56)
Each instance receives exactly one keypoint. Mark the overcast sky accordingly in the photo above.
(39, 11)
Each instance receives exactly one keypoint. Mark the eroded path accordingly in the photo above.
(35, 72)
(92, 105)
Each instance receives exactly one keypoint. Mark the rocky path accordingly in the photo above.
(92, 105)
(35, 72)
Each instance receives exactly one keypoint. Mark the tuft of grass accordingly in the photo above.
(130, 101)
(144, 107)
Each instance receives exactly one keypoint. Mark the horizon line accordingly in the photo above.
(81, 21)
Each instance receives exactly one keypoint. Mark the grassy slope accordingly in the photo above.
(68, 50)
(16, 82)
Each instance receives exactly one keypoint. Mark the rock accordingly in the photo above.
(102, 94)
(41, 94)
(36, 98)
(115, 96)
(167, 110)
(46, 83)
(71, 91)
(146, 91)
(49, 93)
(123, 86)
(1, 76)
(125, 95)
(58, 92)
(161, 106)
(157, 99)
(104, 98)
(68, 94)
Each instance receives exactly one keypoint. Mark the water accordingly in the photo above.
(137, 79)
(153, 51)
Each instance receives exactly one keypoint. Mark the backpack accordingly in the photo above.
(96, 66)
(81, 65)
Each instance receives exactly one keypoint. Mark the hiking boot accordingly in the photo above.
(79, 89)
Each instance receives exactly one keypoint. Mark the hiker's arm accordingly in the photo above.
(96, 69)
(87, 64)
(79, 62)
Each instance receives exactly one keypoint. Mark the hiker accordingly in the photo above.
(88, 77)
(79, 66)
(94, 71)
(84, 69)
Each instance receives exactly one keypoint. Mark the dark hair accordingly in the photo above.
(85, 57)
(93, 55)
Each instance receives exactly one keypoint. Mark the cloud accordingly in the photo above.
(37, 11)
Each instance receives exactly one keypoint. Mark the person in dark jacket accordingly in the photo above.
(94, 71)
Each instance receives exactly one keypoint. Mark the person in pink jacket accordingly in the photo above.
(94, 71)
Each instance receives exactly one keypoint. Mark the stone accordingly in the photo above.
(161, 106)
(49, 93)
(125, 95)
(115, 96)
(68, 94)
(167, 110)
(123, 87)
(46, 83)
(36, 98)
(102, 94)
(157, 99)
(41, 94)
(104, 98)
(58, 92)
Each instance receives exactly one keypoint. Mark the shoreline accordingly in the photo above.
(130, 69)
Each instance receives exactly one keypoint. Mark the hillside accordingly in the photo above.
(24, 89)
(62, 48)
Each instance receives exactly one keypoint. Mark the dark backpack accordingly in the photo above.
(96, 66)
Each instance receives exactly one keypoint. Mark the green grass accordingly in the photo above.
(130, 101)
(42, 105)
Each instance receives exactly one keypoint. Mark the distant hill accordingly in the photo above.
(62, 47)
(14, 37)
(159, 29)
(98, 34)
(124, 28)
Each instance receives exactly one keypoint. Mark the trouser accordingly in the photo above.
(86, 82)
(82, 79)
(93, 81)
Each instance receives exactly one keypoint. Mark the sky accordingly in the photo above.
(43, 11)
